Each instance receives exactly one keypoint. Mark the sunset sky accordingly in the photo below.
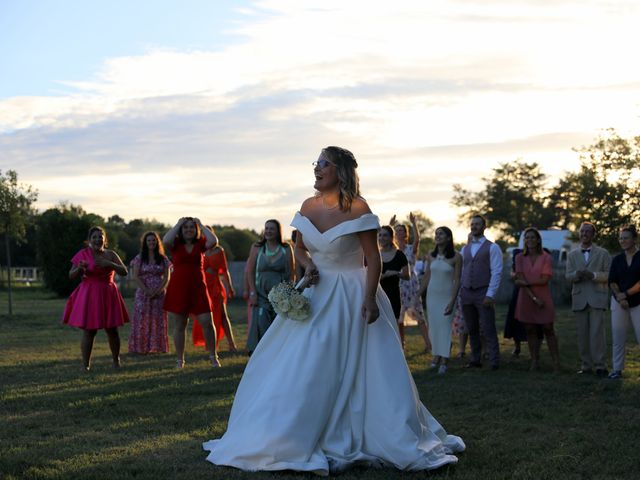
(160, 109)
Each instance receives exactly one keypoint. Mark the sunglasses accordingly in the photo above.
(322, 163)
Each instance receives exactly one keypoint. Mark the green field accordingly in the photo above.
(148, 419)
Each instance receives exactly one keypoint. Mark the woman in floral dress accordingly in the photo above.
(410, 289)
(150, 326)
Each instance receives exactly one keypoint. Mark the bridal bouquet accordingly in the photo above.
(289, 302)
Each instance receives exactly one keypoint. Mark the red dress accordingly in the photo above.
(526, 310)
(214, 266)
(187, 290)
(95, 303)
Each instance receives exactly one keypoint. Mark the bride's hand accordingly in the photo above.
(311, 274)
(370, 310)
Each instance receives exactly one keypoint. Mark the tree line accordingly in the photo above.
(49, 239)
(515, 195)
(603, 190)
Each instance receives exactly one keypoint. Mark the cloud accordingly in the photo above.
(425, 93)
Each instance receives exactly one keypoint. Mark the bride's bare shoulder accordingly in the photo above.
(359, 207)
(309, 205)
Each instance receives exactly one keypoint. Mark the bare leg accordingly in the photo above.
(226, 326)
(206, 322)
(534, 345)
(179, 329)
(552, 343)
(114, 345)
(463, 338)
(424, 331)
(86, 346)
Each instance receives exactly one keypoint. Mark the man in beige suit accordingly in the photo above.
(588, 270)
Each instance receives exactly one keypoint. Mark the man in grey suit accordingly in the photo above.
(588, 270)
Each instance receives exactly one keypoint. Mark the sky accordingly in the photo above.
(163, 109)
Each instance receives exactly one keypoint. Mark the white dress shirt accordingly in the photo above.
(495, 262)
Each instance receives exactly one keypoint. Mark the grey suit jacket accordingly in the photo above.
(594, 293)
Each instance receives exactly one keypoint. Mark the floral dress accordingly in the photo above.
(149, 326)
(410, 292)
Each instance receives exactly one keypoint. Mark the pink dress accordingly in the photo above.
(150, 326)
(96, 303)
(526, 310)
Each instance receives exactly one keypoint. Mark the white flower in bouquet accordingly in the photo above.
(289, 302)
(283, 305)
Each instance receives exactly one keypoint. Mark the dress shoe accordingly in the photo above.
(602, 372)
(473, 365)
(616, 374)
(585, 371)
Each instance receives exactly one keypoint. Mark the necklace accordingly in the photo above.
(325, 205)
(270, 253)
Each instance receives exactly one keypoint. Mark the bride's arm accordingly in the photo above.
(369, 242)
(304, 259)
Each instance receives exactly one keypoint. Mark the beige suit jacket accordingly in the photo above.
(594, 293)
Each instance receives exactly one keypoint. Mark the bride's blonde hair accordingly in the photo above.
(348, 180)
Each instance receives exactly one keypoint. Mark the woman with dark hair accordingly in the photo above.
(535, 303)
(220, 288)
(150, 325)
(334, 390)
(96, 303)
(410, 287)
(442, 282)
(624, 280)
(394, 268)
(270, 262)
(187, 291)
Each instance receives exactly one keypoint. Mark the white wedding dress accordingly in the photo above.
(331, 391)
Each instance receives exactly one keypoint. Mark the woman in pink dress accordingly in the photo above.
(535, 303)
(96, 303)
(150, 326)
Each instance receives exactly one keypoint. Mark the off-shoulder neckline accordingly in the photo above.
(336, 225)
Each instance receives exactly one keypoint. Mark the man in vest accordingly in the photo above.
(481, 274)
(588, 272)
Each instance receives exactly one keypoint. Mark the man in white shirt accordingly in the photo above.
(481, 275)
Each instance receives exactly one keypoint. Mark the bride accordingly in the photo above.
(334, 390)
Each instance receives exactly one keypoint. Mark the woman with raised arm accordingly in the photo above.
(410, 287)
(394, 267)
(334, 390)
(187, 291)
(96, 303)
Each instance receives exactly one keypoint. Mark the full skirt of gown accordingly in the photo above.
(331, 391)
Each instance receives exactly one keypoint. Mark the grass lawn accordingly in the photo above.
(148, 419)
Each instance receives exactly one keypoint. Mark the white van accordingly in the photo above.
(558, 242)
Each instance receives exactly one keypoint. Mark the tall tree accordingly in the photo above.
(604, 189)
(16, 212)
(62, 231)
(514, 197)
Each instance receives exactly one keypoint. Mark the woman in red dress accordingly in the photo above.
(535, 304)
(216, 272)
(96, 303)
(187, 290)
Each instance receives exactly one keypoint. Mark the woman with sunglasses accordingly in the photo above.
(334, 390)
